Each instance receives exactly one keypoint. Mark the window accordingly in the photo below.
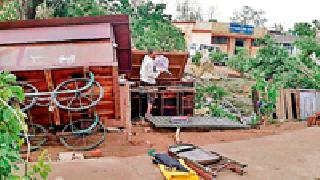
(219, 40)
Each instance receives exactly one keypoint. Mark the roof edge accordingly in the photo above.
(113, 19)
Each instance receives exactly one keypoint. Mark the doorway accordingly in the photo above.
(239, 45)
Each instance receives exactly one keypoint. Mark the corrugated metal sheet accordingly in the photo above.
(318, 101)
(309, 103)
(77, 32)
(62, 55)
(119, 25)
(177, 62)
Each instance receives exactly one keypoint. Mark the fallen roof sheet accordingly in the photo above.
(196, 122)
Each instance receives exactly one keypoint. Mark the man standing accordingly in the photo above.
(148, 75)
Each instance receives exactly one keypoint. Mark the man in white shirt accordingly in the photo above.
(148, 75)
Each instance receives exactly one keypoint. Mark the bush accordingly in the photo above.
(240, 62)
(218, 57)
(196, 58)
(11, 125)
(219, 112)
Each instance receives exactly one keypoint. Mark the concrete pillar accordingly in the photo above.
(248, 45)
(231, 45)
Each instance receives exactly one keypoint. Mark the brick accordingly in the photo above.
(311, 121)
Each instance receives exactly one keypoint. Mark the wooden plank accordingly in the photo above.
(116, 92)
(125, 106)
(289, 104)
(56, 113)
(297, 95)
(280, 106)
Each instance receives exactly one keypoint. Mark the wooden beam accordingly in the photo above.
(298, 103)
(55, 112)
(125, 106)
(289, 104)
(116, 93)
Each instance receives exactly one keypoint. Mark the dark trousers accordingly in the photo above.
(150, 96)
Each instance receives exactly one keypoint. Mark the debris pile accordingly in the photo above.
(314, 120)
(237, 86)
(187, 161)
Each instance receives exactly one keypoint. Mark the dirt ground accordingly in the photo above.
(293, 155)
(116, 144)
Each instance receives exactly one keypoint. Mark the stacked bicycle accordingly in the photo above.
(73, 95)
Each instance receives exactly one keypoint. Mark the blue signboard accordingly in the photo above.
(243, 29)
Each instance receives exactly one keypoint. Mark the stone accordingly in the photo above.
(65, 156)
(147, 130)
(216, 78)
(96, 153)
(207, 76)
(233, 74)
(69, 156)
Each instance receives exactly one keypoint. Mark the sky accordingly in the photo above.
(286, 12)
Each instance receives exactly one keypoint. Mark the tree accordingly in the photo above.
(306, 42)
(247, 15)
(188, 10)
(151, 28)
(9, 10)
(240, 62)
(11, 124)
(43, 11)
(76, 8)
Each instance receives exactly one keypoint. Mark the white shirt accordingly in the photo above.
(147, 73)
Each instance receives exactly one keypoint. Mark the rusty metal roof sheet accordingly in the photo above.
(119, 24)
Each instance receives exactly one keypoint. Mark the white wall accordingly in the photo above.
(201, 38)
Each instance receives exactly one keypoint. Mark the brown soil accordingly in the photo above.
(116, 144)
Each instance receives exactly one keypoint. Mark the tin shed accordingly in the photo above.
(48, 52)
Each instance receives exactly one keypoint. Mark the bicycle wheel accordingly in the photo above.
(73, 94)
(85, 134)
(37, 136)
(29, 100)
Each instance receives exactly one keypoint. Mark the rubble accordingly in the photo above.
(69, 156)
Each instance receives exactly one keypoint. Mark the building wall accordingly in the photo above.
(202, 33)
(186, 29)
(201, 38)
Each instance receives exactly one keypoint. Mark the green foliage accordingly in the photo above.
(254, 120)
(11, 124)
(196, 58)
(43, 11)
(270, 60)
(304, 29)
(216, 111)
(77, 8)
(210, 97)
(9, 10)
(240, 62)
(119, 7)
(41, 167)
(306, 42)
(212, 91)
(218, 56)
(268, 93)
(151, 28)
(213, 20)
